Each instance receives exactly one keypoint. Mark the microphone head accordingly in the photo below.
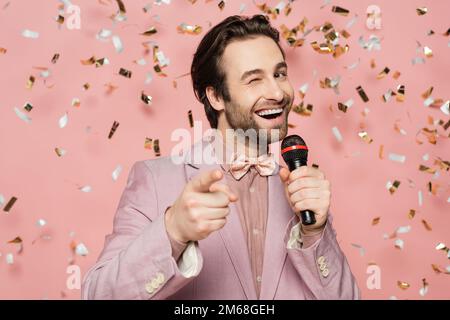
(294, 149)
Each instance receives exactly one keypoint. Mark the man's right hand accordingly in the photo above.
(201, 208)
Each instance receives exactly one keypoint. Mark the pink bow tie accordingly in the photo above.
(264, 164)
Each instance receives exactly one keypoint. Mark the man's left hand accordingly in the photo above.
(307, 188)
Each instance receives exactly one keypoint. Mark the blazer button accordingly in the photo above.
(325, 273)
(160, 278)
(149, 288)
(321, 260)
(323, 266)
(154, 284)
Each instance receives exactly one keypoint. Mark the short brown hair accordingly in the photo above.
(206, 69)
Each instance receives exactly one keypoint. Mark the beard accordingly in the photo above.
(239, 118)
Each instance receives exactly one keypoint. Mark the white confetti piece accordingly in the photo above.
(22, 115)
(242, 8)
(337, 134)
(425, 157)
(30, 34)
(63, 120)
(418, 60)
(362, 251)
(41, 223)
(420, 197)
(117, 44)
(163, 61)
(303, 88)
(429, 101)
(116, 172)
(9, 258)
(2, 200)
(423, 291)
(141, 62)
(397, 157)
(399, 243)
(404, 229)
(86, 189)
(445, 108)
(148, 78)
(104, 34)
(373, 43)
(81, 250)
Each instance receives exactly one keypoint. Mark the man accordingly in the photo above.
(227, 230)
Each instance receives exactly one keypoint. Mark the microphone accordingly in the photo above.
(295, 154)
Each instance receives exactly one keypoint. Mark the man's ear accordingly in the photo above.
(216, 102)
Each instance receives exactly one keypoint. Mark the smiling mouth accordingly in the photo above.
(270, 113)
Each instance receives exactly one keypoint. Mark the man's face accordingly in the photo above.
(261, 94)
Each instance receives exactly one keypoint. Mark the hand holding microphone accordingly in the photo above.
(306, 188)
(201, 208)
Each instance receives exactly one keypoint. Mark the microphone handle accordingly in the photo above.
(308, 216)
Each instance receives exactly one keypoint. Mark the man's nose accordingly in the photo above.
(273, 91)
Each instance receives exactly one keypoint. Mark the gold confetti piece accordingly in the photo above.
(10, 204)
(392, 187)
(398, 129)
(376, 220)
(189, 29)
(365, 137)
(159, 71)
(16, 240)
(146, 98)
(411, 213)
(373, 64)
(2, 50)
(113, 129)
(383, 73)
(76, 102)
(427, 93)
(30, 82)
(148, 144)
(110, 88)
(86, 86)
(380, 152)
(124, 72)
(402, 285)
(151, 31)
(290, 125)
(116, 172)
(303, 110)
(323, 48)
(421, 11)
(28, 107)
(427, 169)
(433, 187)
(122, 9)
(191, 119)
(89, 61)
(362, 94)
(60, 19)
(156, 148)
(221, 5)
(428, 52)
(55, 58)
(396, 75)
(400, 96)
(423, 291)
(426, 225)
(60, 152)
(340, 10)
(447, 33)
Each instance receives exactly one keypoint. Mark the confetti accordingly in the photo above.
(81, 250)
(376, 220)
(151, 31)
(30, 82)
(86, 189)
(362, 94)
(41, 222)
(428, 52)
(421, 11)
(156, 147)
(336, 134)
(383, 73)
(63, 120)
(399, 244)
(9, 258)
(30, 34)
(400, 95)
(113, 129)
(426, 225)
(411, 213)
(392, 187)
(189, 29)
(116, 172)
(424, 290)
(303, 110)
(117, 42)
(60, 152)
(148, 144)
(339, 10)
(402, 285)
(9, 204)
(124, 72)
(365, 137)
(191, 119)
(22, 115)
(55, 58)
(397, 157)
(362, 251)
(146, 98)
(373, 43)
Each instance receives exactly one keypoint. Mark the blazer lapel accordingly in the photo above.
(279, 216)
(231, 234)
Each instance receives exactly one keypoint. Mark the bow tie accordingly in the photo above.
(264, 164)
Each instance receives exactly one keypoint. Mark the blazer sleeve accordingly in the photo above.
(137, 261)
(322, 265)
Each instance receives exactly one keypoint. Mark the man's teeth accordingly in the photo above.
(269, 111)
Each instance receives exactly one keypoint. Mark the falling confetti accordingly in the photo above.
(116, 172)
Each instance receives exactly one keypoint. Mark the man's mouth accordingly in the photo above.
(270, 113)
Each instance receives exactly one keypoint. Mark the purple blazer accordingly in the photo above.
(137, 262)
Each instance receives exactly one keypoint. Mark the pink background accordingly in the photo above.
(47, 186)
